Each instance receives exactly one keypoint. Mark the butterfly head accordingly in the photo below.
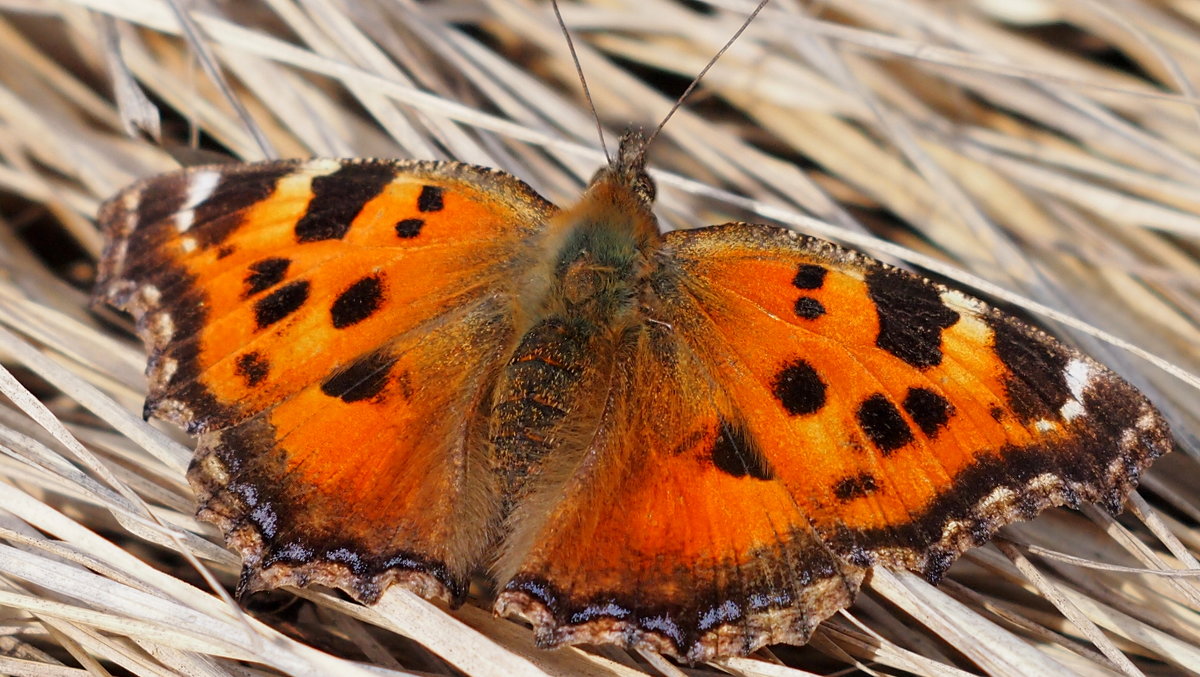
(628, 170)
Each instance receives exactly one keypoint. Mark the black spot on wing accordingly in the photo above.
(430, 199)
(929, 410)
(339, 197)
(362, 380)
(734, 453)
(855, 486)
(225, 251)
(252, 367)
(882, 423)
(280, 303)
(1036, 384)
(265, 274)
(911, 316)
(799, 388)
(809, 276)
(221, 212)
(808, 308)
(409, 228)
(357, 303)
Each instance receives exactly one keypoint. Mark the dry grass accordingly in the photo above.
(1049, 156)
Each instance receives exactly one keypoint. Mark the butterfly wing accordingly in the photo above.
(811, 412)
(329, 329)
(912, 420)
(666, 532)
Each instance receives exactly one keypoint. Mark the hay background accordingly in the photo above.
(1045, 153)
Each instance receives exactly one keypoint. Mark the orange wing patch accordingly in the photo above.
(281, 301)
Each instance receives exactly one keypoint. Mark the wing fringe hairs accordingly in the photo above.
(1008, 148)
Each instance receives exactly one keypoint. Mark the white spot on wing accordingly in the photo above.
(162, 327)
(956, 300)
(187, 244)
(345, 556)
(955, 527)
(1043, 426)
(1044, 482)
(184, 220)
(1078, 374)
(1147, 421)
(1072, 410)
(169, 367)
(199, 188)
(322, 166)
(173, 410)
(999, 495)
(215, 469)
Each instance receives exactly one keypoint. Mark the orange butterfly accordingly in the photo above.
(697, 443)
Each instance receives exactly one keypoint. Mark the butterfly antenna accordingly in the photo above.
(587, 94)
(711, 62)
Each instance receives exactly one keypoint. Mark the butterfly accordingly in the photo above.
(698, 442)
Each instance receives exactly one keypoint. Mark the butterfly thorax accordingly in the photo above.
(602, 262)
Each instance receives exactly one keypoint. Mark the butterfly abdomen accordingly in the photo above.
(536, 402)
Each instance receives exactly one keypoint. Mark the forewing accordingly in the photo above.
(907, 420)
(314, 262)
(328, 327)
